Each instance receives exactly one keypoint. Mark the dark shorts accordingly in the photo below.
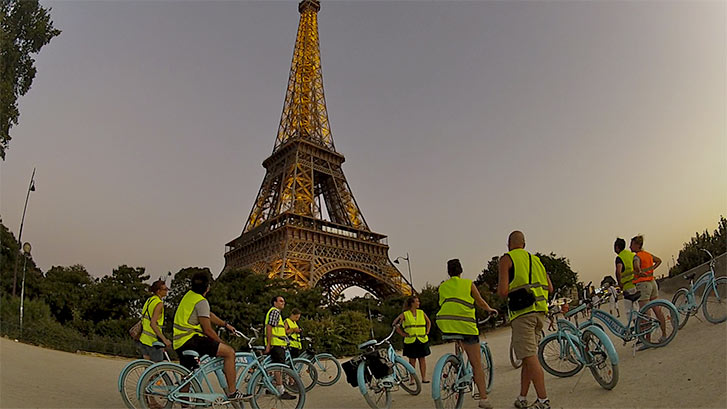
(294, 352)
(155, 354)
(202, 345)
(277, 354)
(468, 339)
(416, 349)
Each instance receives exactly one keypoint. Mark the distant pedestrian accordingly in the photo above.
(415, 330)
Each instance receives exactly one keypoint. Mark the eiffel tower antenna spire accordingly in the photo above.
(305, 223)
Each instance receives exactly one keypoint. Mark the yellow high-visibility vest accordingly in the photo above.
(279, 338)
(456, 307)
(183, 330)
(148, 336)
(294, 336)
(415, 327)
(538, 285)
(627, 276)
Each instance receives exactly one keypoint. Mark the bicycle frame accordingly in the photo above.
(626, 332)
(706, 280)
(569, 333)
(391, 355)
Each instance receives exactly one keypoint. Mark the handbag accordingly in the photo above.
(135, 330)
(523, 297)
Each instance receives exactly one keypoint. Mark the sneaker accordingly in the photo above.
(540, 405)
(485, 404)
(237, 396)
(520, 404)
(287, 396)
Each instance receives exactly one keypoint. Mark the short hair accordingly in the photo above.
(200, 282)
(275, 298)
(409, 301)
(155, 286)
(620, 244)
(295, 311)
(454, 267)
(639, 240)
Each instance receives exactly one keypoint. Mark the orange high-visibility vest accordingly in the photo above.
(647, 261)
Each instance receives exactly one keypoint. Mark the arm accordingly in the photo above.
(220, 323)
(429, 323)
(155, 326)
(288, 330)
(479, 300)
(619, 269)
(657, 262)
(637, 267)
(268, 337)
(550, 284)
(206, 324)
(396, 325)
(504, 280)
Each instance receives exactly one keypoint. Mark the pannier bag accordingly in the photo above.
(379, 364)
(350, 367)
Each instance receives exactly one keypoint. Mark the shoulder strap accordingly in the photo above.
(530, 268)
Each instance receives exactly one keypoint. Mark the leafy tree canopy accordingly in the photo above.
(691, 255)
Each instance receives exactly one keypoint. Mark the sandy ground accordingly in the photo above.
(691, 372)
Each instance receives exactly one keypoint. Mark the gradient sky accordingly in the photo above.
(576, 122)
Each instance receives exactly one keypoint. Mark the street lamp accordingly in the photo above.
(368, 297)
(31, 188)
(26, 254)
(408, 265)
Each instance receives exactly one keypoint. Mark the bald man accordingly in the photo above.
(521, 272)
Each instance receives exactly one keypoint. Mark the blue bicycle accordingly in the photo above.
(714, 297)
(453, 378)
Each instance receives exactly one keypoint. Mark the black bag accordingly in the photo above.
(350, 367)
(378, 364)
(524, 297)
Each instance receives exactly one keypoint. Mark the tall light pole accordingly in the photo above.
(26, 255)
(408, 265)
(31, 188)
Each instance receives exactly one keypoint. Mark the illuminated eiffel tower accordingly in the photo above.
(305, 224)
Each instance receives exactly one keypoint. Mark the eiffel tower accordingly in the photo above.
(305, 224)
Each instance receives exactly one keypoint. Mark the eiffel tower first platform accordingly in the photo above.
(305, 224)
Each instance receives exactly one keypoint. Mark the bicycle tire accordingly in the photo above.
(406, 376)
(158, 381)
(486, 357)
(445, 382)
(681, 302)
(259, 388)
(549, 355)
(652, 329)
(129, 379)
(307, 372)
(516, 363)
(604, 371)
(717, 300)
(376, 395)
(329, 369)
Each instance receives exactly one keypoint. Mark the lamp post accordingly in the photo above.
(368, 297)
(26, 254)
(31, 188)
(408, 265)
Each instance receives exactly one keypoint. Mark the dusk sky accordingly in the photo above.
(575, 122)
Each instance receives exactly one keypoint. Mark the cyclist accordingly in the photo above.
(520, 274)
(276, 340)
(293, 331)
(456, 316)
(644, 265)
(152, 319)
(193, 331)
(416, 326)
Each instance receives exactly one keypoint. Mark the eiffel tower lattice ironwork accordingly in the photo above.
(305, 223)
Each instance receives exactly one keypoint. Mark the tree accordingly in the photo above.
(119, 296)
(691, 255)
(64, 290)
(25, 27)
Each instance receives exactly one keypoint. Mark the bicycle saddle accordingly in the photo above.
(451, 337)
(157, 344)
(690, 277)
(367, 344)
(191, 353)
(633, 297)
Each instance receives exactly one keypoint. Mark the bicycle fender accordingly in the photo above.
(606, 341)
(436, 380)
(139, 386)
(567, 325)
(134, 362)
(407, 365)
(360, 377)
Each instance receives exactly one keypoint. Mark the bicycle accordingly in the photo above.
(641, 323)
(327, 366)
(380, 369)
(565, 352)
(168, 385)
(714, 296)
(453, 377)
(130, 375)
(553, 310)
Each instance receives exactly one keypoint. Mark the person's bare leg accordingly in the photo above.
(413, 363)
(536, 375)
(473, 353)
(228, 356)
(423, 368)
(661, 318)
(524, 380)
(641, 305)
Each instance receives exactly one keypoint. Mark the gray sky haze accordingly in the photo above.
(575, 122)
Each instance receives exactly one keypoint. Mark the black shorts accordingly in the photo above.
(294, 352)
(468, 339)
(202, 345)
(277, 354)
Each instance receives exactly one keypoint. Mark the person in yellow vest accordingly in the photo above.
(625, 271)
(644, 265)
(456, 316)
(519, 272)
(152, 319)
(293, 331)
(193, 331)
(276, 340)
(415, 330)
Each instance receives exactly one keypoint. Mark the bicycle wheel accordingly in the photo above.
(445, 380)
(681, 303)
(264, 391)
(487, 365)
(408, 380)
(516, 363)
(714, 304)
(376, 394)
(159, 381)
(602, 368)
(328, 368)
(657, 332)
(557, 356)
(129, 379)
(307, 372)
